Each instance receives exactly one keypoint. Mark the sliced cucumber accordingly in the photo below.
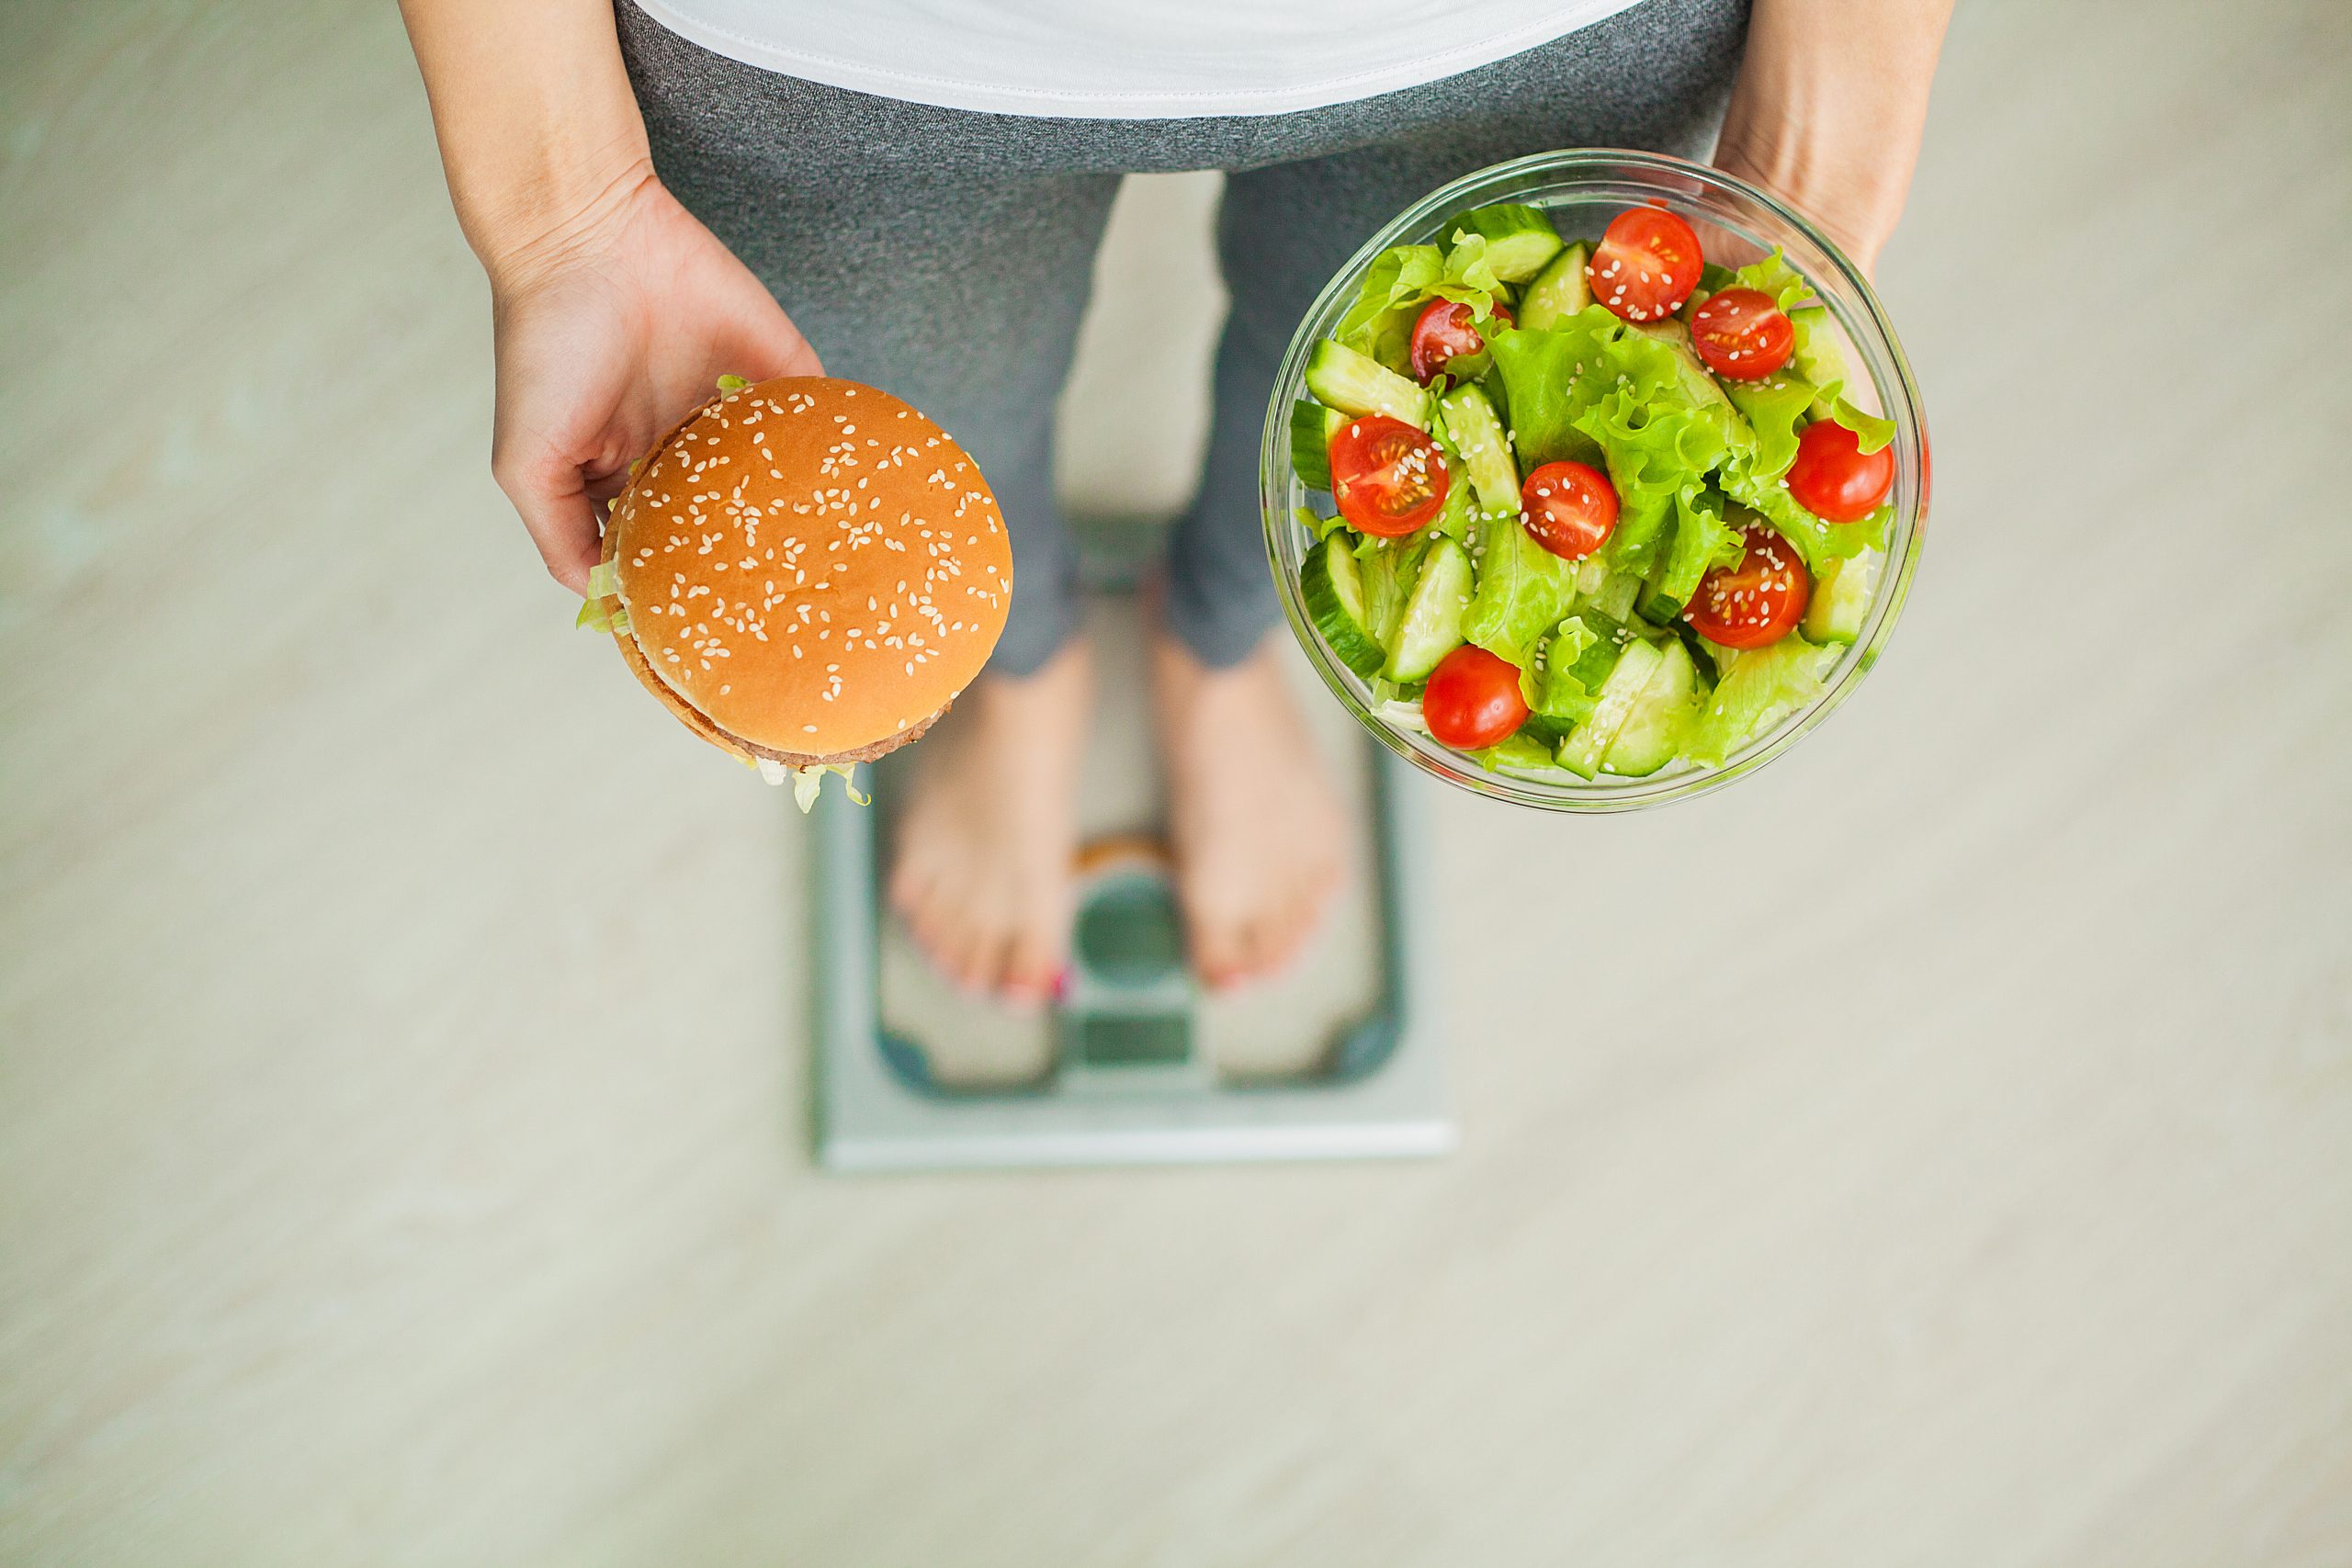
(1582, 751)
(1557, 292)
(1433, 625)
(1388, 569)
(1592, 573)
(1478, 435)
(1332, 585)
(1617, 594)
(1659, 603)
(1356, 385)
(1311, 428)
(1652, 732)
(1842, 592)
(1460, 514)
(1520, 239)
(1711, 669)
(1817, 359)
(1546, 733)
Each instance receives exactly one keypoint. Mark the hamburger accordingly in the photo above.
(806, 571)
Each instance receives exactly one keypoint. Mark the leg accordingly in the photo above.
(960, 292)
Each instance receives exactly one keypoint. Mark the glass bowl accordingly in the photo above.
(1582, 190)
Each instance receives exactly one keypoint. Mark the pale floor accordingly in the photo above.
(1937, 1150)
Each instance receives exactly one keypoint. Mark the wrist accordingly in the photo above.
(1856, 201)
(538, 127)
(541, 221)
(1828, 106)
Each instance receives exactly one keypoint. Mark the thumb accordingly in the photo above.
(762, 338)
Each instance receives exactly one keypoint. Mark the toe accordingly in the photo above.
(1280, 939)
(1269, 945)
(953, 948)
(924, 931)
(967, 968)
(1220, 951)
(1031, 965)
(984, 962)
(906, 887)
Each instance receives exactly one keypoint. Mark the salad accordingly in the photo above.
(1597, 507)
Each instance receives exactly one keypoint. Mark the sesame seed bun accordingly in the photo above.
(811, 570)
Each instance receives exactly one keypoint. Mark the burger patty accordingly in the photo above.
(880, 749)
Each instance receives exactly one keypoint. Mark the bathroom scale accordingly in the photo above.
(1133, 1064)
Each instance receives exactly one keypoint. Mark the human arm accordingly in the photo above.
(1828, 109)
(615, 310)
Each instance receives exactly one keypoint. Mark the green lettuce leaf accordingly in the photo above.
(1818, 359)
(1314, 523)
(1757, 688)
(1775, 410)
(1403, 279)
(808, 782)
(1873, 432)
(1552, 377)
(1655, 455)
(1703, 540)
(1466, 268)
(1523, 591)
(1817, 542)
(1517, 754)
(1592, 390)
(603, 587)
(1772, 274)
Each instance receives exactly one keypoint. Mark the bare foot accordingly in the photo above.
(1254, 821)
(982, 871)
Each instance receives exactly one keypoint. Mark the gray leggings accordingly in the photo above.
(945, 255)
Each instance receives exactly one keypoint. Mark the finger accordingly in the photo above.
(562, 519)
(765, 339)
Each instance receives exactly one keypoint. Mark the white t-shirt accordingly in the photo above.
(1124, 59)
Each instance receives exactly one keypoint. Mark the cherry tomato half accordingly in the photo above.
(1645, 266)
(1831, 477)
(1756, 603)
(1472, 699)
(1570, 508)
(1389, 478)
(1742, 335)
(1446, 331)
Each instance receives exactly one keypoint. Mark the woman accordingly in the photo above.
(921, 187)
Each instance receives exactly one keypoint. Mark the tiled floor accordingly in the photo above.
(1937, 1149)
